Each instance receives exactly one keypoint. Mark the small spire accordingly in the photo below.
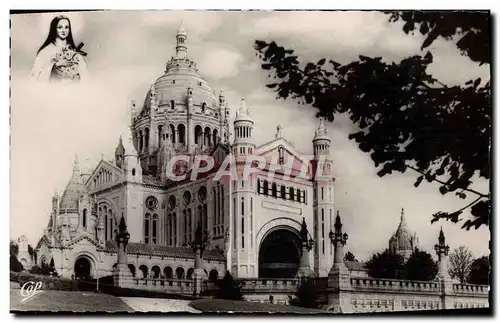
(279, 131)
(75, 162)
(181, 48)
(402, 214)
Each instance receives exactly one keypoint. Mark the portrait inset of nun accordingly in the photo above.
(58, 59)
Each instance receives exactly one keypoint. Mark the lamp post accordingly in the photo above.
(442, 250)
(201, 239)
(122, 238)
(338, 240)
(306, 243)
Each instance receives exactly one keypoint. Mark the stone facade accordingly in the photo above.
(182, 117)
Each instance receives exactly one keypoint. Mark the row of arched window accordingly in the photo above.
(104, 176)
(207, 137)
(168, 272)
(105, 213)
(290, 193)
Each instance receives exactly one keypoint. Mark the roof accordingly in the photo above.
(74, 190)
(165, 251)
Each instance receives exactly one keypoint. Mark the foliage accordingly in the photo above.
(480, 271)
(48, 282)
(31, 251)
(459, 263)
(14, 248)
(15, 264)
(420, 266)
(228, 288)
(307, 294)
(349, 256)
(407, 119)
(385, 265)
(44, 269)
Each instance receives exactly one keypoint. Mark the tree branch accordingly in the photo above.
(481, 195)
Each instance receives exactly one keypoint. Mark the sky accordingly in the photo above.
(127, 52)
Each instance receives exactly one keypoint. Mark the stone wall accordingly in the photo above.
(362, 294)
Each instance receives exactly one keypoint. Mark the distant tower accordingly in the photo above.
(323, 201)
(403, 241)
(243, 260)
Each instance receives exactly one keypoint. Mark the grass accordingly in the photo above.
(68, 301)
(222, 305)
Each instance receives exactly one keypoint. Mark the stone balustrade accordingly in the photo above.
(468, 289)
(393, 285)
(178, 286)
(268, 285)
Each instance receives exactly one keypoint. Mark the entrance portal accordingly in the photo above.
(279, 255)
(82, 268)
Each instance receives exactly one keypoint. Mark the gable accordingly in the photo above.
(104, 174)
(280, 151)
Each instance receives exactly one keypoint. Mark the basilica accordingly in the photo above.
(253, 224)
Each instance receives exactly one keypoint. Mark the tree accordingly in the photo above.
(385, 265)
(407, 119)
(460, 263)
(349, 256)
(307, 294)
(228, 288)
(15, 265)
(420, 266)
(480, 271)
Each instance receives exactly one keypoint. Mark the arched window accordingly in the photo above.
(156, 271)
(131, 267)
(140, 141)
(198, 134)
(205, 217)
(105, 211)
(144, 270)
(179, 272)
(216, 137)
(274, 190)
(291, 191)
(172, 103)
(203, 107)
(146, 139)
(111, 220)
(84, 218)
(213, 276)
(155, 229)
(133, 171)
(283, 192)
(160, 133)
(146, 228)
(207, 140)
(266, 187)
(168, 272)
(182, 133)
(189, 274)
(172, 131)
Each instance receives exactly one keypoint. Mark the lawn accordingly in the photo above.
(222, 305)
(55, 301)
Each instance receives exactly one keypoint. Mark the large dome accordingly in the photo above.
(180, 114)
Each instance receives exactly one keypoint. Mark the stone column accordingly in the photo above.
(443, 278)
(339, 278)
(306, 244)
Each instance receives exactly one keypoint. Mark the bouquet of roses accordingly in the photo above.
(66, 62)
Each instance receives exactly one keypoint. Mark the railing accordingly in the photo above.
(468, 289)
(182, 286)
(401, 286)
(268, 285)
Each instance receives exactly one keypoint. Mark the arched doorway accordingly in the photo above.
(279, 255)
(83, 268)
(213, 276)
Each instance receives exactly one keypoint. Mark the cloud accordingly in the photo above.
(218, 61)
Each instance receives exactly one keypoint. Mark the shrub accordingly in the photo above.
(48, 282)
(307, 294)
(228, 288)
(15, 265)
